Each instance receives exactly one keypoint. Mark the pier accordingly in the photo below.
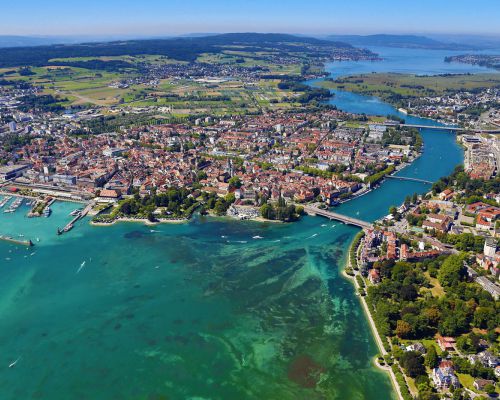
(70, 225)
(27, 243)
(404, 178)
(337, 217)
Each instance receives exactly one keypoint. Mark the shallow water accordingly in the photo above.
(182, 312)
(199, 310)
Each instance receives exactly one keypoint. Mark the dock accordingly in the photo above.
(27, 243)
(70, 225)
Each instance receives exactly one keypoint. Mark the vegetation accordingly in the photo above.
(377, 177)
(399, 89)
(473, 189)
(401, 308)
(281, 211)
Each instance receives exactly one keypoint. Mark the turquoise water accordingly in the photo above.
(203, 310)
(199, 310)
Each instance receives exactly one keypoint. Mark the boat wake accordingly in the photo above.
(81, 267)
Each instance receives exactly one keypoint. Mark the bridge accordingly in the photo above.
(313, 211)
(444, 128)
(404, 178)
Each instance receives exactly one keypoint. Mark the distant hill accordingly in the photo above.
(20, 41)
(184, 49)
(401, 41)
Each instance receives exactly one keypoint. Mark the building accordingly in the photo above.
(66, 180)
(113, 152)
(446, 343)
(444, 376)
(374, 276)
(480, 384)
(9, 172)
(490, 247)
(489, 286)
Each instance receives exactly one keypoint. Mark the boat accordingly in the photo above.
(76, 212)
(46, 212)
(68, 227)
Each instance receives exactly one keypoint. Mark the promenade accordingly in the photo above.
(373, 328)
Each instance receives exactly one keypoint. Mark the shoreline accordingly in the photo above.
(371, 322)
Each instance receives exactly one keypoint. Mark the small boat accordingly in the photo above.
(47, 212)
(81, 267)
(13, 364)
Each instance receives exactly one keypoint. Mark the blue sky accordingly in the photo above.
(161, 17)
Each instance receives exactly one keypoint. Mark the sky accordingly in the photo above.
(171, 17)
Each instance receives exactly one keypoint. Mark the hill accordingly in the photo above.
(400, 41)
(182, 49)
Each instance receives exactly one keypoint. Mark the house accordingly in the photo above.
(446, 343)
(444, 376)
(437, 222)
(446, 195)
(485, 358)
(417, 346)
(374, 276)
(479, 384)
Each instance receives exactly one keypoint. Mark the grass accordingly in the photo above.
(466, 381)
(431, 342)
(436, 290)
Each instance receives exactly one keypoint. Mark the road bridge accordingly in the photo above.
(311, 210)
(445, 128)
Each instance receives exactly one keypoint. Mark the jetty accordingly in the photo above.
(313, 211)
(70, 225)
(27, 243)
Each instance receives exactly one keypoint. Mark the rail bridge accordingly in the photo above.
(404, 178)
(337, 217)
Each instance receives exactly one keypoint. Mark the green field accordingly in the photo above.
(81, 86)
(382, 84)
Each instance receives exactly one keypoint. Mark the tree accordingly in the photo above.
(431, 358)
(412, 362)
(490, 389)
(452, 271)
(234, 182)
(267, 211)
(403, 329)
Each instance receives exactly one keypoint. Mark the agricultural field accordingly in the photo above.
(81, 86)
(382, 84)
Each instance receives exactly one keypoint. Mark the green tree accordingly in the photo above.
(234, 182)
(452, 271)
(431, 358)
